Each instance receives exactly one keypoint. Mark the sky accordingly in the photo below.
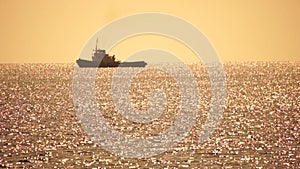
(56, 31)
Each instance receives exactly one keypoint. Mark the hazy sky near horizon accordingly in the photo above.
(55, 31)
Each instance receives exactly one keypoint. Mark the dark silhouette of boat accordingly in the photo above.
(101, 59)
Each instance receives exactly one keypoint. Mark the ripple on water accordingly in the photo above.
(260, 125)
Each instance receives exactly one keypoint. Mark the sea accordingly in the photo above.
(258, 124)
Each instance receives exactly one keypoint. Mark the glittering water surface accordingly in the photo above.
(260, 125)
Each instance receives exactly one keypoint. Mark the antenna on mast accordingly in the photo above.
(96, 44)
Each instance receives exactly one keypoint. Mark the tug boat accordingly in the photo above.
(101, 59)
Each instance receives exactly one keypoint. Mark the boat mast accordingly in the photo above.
(96, 45)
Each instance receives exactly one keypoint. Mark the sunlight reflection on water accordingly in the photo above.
(260, 125)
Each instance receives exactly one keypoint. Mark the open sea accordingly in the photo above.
(259, 128)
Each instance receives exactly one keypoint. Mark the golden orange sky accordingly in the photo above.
(55, 31)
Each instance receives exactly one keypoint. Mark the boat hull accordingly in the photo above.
(87, 63)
